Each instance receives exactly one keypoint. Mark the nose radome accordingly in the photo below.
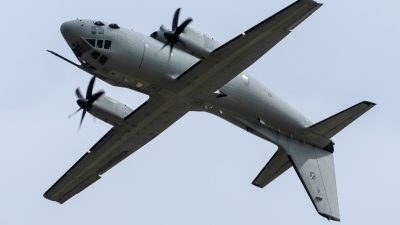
(66, 28)
(69, 30)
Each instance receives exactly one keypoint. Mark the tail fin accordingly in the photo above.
(316, 170)
(314, 165)
(334, 124)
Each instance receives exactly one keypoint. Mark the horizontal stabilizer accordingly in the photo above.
(334, 124)
(277, 165)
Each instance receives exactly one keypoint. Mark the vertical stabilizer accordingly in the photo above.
(316, 170)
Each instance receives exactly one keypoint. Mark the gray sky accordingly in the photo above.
(200, 170)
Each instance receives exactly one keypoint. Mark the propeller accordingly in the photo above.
(86, 103)
(173, 36)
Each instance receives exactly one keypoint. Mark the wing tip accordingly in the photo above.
(49, 198)
(329, 217)
(257, 185)
(44, 196)
(369, 103)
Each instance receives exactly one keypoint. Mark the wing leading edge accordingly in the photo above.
(140, 127)
(233, 57)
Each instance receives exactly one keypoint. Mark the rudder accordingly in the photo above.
(316, 170)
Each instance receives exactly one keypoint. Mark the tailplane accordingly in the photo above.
(277, 165)
(312, 158)
(334, 124)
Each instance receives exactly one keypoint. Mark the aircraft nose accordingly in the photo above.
(69, 29)
(66, 28)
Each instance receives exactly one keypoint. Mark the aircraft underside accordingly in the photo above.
(182, 70)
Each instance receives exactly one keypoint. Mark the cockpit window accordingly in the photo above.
(101, 30)
(99, 44)
(95, 54)
(78, 53)
(93, 29)
(84, 46)
(107, 44)
(91, 41)
(103, 59)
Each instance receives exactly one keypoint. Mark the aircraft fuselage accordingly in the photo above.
(125, 58)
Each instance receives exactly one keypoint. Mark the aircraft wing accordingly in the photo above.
(230, 59)
(140, 127)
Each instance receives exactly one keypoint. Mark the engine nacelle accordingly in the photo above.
(195, 43)
(110, 110)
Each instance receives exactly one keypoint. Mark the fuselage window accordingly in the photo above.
(99, 44)
(93, 29)
(101, 30)
(91, 41)
(107, 44)
(103, 59)
(245, 80)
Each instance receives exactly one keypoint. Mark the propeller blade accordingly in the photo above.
(165, 45)
(175, 20)
(83, 116)
(71, 115)
(90, 88)
(170, 52)
(95, 97)
(173, 36)
(85, 104)
(182, 27)
(78, 93)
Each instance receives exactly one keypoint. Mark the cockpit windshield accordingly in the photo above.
(107, 44)
(99, 44)
(91, 41)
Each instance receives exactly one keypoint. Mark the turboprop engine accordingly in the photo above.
(185, 38)
(100, 106)
(110, 110)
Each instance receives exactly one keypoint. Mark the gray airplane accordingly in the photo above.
(183, 70)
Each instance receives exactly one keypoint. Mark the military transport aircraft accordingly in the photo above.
(184, 70)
